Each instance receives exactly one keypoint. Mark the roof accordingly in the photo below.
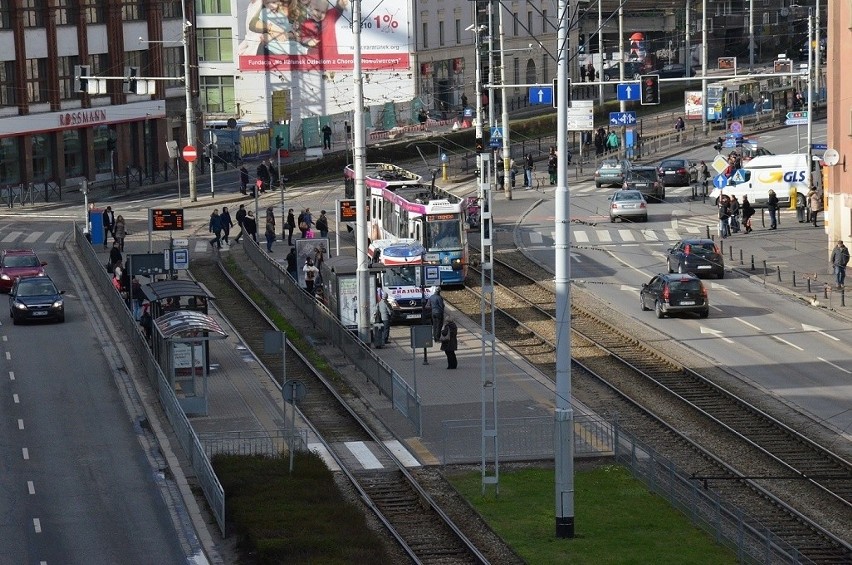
(160, 290)
(187, 323)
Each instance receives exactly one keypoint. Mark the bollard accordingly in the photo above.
(778, 267)
(752, 262)
(741, 257)
(708, 231)
(794, 279)
(809, 285)
(843, 297)
(731, 252)
(764, 269)
(825, 290)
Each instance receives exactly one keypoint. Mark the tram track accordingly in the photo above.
(417, 523)
(797, 488)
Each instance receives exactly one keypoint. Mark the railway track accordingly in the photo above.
(795, 487)
(417, 523)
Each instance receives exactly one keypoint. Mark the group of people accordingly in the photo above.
(115, 227)
(605, 141)
(267, 177)
(730, 212)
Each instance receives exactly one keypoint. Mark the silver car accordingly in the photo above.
(628, 205)
(612, 172)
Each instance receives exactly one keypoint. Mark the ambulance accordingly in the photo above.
(786, 174)
(399, 266)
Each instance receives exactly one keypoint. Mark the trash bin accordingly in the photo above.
(378, 329)
(96, 223)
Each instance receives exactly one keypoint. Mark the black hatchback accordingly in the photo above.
(676, 172)
(675, 293)
(697, 256)
(35, 299)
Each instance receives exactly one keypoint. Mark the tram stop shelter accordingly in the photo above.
(182, 332)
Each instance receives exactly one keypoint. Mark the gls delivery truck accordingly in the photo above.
(785, 174)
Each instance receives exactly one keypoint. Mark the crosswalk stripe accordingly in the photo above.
(33, 237)
(323, 453)
(626, 235)
(12, 236)
(363, 454)
(201, 246)
(605, 236)
(402, 454)
(535, 238)
(672, 235)
(650, 235)
(54, 237)
(581, 237)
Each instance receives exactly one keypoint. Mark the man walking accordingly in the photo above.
(109, 223)
(326, 136)
(322, 224)
(227, 224)
(435, 304)
(384, 309)
(839, 260)
(250, 225)
(216, 229)
(241, 215)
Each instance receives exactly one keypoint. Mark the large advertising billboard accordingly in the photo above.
(316, 35)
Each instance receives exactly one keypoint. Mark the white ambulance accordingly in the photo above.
(785, 174)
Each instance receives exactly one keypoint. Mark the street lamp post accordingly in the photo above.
(476, 29)
(190, 115)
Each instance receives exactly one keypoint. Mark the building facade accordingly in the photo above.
(838, 189)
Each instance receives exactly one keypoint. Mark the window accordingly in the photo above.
(458, 31)
(529, 23)
(73, 152)
(131, 11)
(99, 64)
(173, 65)
(65, 74)
(441, 33)
(425, 35)
(545, 71)
(516, 75)
(215, 44)
(515, 24)
(543, 22)
(64, 14)
(42, 153)
(7, 84)
(5, 22)
(36, 71)
(95, 12)
(171, 10)
(217, 94)
(213, 6)
(100, 144)
(10, 162)
(33, 13)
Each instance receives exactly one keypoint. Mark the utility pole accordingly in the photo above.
(704, 66)
(190, 115)
(810, 137)
(750, 35)
(507, 181)
(358, 162)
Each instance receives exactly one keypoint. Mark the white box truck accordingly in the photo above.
(785, 174)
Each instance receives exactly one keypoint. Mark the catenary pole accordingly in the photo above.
(190, 115)
(507, 157)
(360, 150)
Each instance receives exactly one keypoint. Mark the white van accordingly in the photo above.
(785, 174)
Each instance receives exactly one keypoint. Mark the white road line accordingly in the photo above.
(749, 324)
(672, 235)
(12, 236)
(535, 238)
(323, 453)
(650, 235)
(26, 453)
(30, 487)
(785, 342)
(201, 246)
(581, 237)
(54, 237)
(37, 525)
(15, 399)
(835, 366)
(8, 355)
(20, 424)
(604, 236)
(626, 235)
(33, 237)
(400, 452)
(363, 454)
(11, 375)
(5, 338)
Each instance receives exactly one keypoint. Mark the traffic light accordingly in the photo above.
(131, 85)
(81, 84)
(279, 142)
(650, 86)
(566, 95)
(480, 145)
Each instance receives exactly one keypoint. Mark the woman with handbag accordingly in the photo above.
(449, 341)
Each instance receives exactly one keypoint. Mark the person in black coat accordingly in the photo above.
(244, 180)
(240, 217)
(109, 223)
(250, 225)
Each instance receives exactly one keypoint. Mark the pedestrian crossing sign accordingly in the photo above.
(739, 177)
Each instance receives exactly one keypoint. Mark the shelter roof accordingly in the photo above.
(160, 290)
(188, 323)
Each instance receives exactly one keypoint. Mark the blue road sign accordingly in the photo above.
(541, 95)
(720, 181)
(622, 118)
(628, 91)
(496, 139)
(819, 146)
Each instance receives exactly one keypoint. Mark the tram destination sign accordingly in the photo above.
(166, 219)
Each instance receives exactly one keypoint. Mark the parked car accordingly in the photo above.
(697, 256)
(647, 181)
(675, 293)
(632, 71)
(674, 70)
(36, 298)
(16, 263)
(611, 172)
(628, 204)
(677, 172)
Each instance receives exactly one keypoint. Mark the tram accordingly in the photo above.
(400, 207)
(736, 98)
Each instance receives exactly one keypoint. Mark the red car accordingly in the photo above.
(17, 263)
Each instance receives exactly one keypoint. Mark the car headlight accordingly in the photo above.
(42, 274)
(58, 304)
(5, 277)
(19, 305)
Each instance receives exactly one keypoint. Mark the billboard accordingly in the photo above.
(693, 104)
(315, 35)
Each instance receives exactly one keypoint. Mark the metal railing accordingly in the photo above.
(123, 321)
(271, 443)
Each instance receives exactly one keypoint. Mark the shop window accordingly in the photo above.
(215, 45)
(73, 153)
(101, 136)
(42, 148)
(10, 168)
(217, 94)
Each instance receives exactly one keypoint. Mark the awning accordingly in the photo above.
(187, 323)
(161, 290)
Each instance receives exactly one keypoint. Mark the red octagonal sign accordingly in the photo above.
(189, 154)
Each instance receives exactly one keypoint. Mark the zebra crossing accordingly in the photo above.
(29, 238)
(360, 452)
(601, 232)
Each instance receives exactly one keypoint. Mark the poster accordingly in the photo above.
(316, 35)
(692, 104)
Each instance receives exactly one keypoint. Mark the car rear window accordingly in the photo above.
(702, 248)
(649, 175)
(628, 196)
(610, 165)
(691, 285)
(672, 164)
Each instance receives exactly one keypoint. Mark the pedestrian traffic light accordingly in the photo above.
(650, 87)
(130, 83)
(557, 92)
(80, 83)
(279, 142)
(480, 145)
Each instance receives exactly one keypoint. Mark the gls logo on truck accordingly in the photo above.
(778, 176)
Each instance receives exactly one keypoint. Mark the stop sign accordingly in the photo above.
(189, 154)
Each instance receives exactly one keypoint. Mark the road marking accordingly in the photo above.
(33, 237)
(820, 331)
(26, 453)
(11, 375)
(201, 246)
(719, 286)
(715, 333)
(20, 424)
(626, 235)
(672, 235)
(323, 453)
(535, 237)
(749, 324)
(37, 525)
(5, 338)
(15, 399)
(604, 236)
(30, 487)
(363, 454)
(650, 235)
(785, 342)
(8, 355)
(581, 237)
(12, 236)
(839, 368)
(54, 237)
(402, 454)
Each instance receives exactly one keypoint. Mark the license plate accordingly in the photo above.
(445, 268)
(670, 172)
(412, 316)
(642, 185)
(630, 205)
(40, 313)
(687, 303)
(703, 266)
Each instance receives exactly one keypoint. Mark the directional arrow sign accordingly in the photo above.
(797, 115)
(627, 91)
(622, 118)
(541, 95)
(720, 181)
(820, 331)
(715, 333)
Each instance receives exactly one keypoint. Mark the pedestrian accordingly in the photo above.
(263, 176)
(703, 176)
(311, 273)
(322, 224)
(464, 100)
(109, 222)
(115, 257)
(274, 175)
(748, 212)
(422, 117)
(600, 141)
(227, 224)
(679, 127)
(244, 179)
(449, 342)
(289, 225)
(326, 136)
(136, 298)
(724, 215)
(146, 322)
(612, 142)
(215, 228)
(291, 262)
(241, 215)
(435, 307)
(119, 232)
(384, 313)
(306, 222)
(735, 214)
(551, 165)
(590, 72)
(529, 165)
(582, 73)
(270, 229)
(839, 260)
(772, 206)
(816, 205)
(250, 225)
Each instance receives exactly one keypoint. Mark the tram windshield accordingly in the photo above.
(444, 234)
